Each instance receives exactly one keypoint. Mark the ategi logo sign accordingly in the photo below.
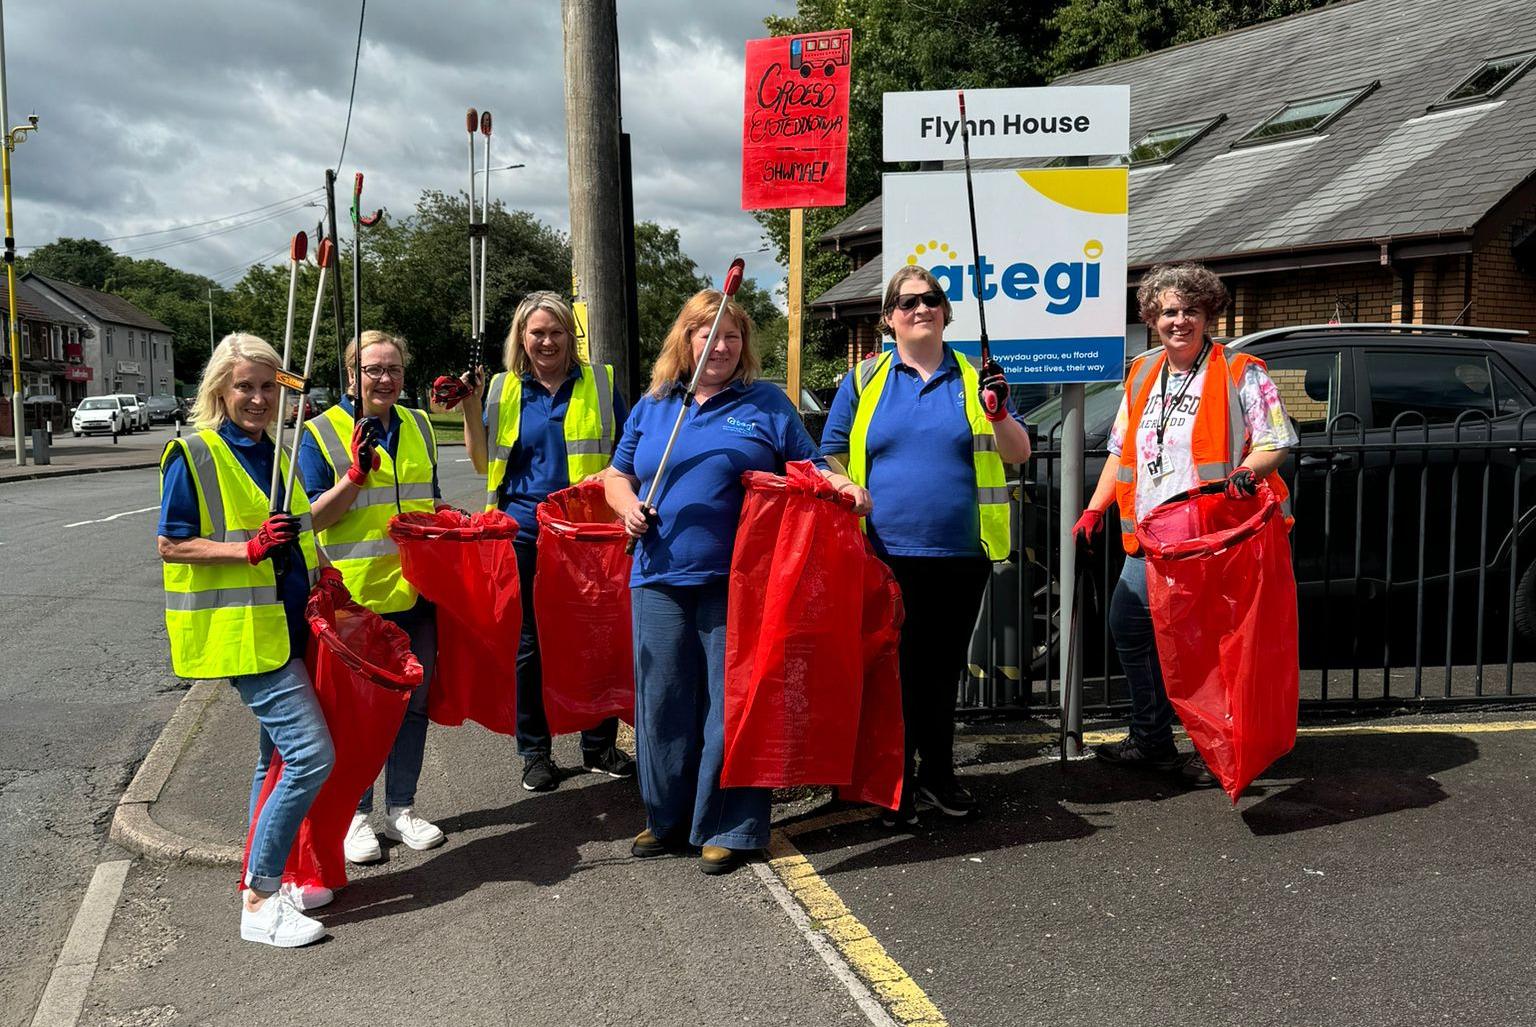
(1052, 267)
(794, 150)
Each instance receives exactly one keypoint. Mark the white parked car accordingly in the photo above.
(137, 413)
(101, 414)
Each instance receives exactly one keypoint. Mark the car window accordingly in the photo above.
(97, 404)
(1309, 385)
(1101, 400)
(1438, 386)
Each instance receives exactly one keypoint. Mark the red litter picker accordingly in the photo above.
(733, 277)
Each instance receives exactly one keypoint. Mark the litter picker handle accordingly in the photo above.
(970, 199)
(325, 258)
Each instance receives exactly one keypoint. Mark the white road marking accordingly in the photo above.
(462, 460)
(104, 520)
(64, 998)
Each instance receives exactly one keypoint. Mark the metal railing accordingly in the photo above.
(1415, 557)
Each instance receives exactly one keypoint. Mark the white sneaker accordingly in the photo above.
(278, 923)
(307, 896)
(361, 845)
(403, 825)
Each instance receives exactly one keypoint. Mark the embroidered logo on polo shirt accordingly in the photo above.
(740, 427)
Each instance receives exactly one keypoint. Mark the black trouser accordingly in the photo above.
(942, 598)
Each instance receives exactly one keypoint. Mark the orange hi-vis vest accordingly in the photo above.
(1220, 437)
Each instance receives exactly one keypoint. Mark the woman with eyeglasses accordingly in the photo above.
(359, 472)
(928, 436)
(552, 421)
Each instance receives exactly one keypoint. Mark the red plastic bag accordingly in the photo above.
(794, 653)
(1223, 602)
(581, 604)
(467, 568)
(364, 672)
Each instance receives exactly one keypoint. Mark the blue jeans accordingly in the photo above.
(1130, 621)
(532, 727)
(291, 723)
(403, 768)
(680, 720)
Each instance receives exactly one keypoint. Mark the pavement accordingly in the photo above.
(1376, 875)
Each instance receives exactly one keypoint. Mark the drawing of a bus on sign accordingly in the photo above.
(825, 51)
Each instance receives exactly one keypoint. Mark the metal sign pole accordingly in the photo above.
(1072, 446)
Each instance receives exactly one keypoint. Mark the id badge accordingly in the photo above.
(1155, 469)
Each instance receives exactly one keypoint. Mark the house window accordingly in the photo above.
(1162, 144)
(1492, 77)
(26, 340)
(109, 340)
(1304, 117)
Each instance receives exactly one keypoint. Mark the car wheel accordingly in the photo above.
(77, 435)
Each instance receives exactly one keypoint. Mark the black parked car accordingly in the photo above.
(166, 410)
(1416, 468)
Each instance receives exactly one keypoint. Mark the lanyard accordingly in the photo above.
(1168, 408)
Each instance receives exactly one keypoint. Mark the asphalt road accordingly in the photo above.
(85, 687)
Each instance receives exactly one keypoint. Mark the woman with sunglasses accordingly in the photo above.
(928, 435)
(360, 472)
(553, 419)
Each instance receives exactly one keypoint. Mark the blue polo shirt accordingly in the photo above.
(538, 464)
(180, 519)
(741, 428)
(318, 479)
(922, 481)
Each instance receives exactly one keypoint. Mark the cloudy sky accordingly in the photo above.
(159, 113)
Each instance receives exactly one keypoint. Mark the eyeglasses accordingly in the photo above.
(376, 372)
(907, 302)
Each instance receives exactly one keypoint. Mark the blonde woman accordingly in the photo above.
(552, 420)
(733, 423)
(236, 581)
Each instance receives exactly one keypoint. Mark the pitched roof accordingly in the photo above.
(862, 225)
(101, 305)
(860, 287)
(1386, 168)
(30, 306)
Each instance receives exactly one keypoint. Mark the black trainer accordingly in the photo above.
(898, 820)
(613, 761)
(1130, 753)
(1196, 774)
(540, 773)
(949, 798)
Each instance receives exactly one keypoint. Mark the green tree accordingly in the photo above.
(82, 261)
(665, 277)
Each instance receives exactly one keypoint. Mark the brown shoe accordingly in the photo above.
(646, 845)
(715, 860)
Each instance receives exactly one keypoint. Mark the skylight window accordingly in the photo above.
(1162, 144)
(1304, 117)
(1490, 79)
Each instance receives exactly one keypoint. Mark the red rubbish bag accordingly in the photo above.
(581, 604)
(364, 672)
(1223, 602)
(879, 755)
(794, 649)
(466, 566)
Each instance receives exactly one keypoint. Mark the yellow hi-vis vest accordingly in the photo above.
(359, 544)
(991, 480)
(227, 619)
(589, 427)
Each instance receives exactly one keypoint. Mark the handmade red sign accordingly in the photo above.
(794, 147)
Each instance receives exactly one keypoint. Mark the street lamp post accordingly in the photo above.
(12, 137)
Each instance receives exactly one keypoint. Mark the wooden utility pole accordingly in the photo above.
(592, 142)
(796, 312)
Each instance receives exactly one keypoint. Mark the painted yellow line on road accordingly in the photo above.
(1096, 737)
(902, 997)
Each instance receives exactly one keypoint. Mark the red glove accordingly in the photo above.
(1242, 484)
(278, 531)
(365, 454)
(1088, 527)
(992, 390)
(332, 584)
(447, 391)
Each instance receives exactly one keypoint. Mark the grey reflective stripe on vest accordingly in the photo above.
(588, 447)
(368, 549)
(335, 450)
(1211, 472)
(1140, 368)
(219, 599)
(384, 495)
(1237, 427)
(501, 453)
(1125, 474)
(992, 494)
(604, 412)
(866, 372)
(983, 443)
(206, 473)
(427, 436)
(493, 414)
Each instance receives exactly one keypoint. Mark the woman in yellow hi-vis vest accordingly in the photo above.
(551, 420)
(359, 473)
(928, 437)
(237, 578)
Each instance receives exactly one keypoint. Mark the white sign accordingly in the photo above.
(127, 367)
(1052, 271)
(1052, 121)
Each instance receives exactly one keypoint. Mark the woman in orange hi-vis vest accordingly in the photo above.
(1193, 412)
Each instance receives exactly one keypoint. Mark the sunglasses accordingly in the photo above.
(907, 302)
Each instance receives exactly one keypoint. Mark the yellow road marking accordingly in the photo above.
(1095, 737)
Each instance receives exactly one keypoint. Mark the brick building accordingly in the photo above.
(50, 341)
(1323, 164)
(125, 348)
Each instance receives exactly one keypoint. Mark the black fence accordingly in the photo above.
(1415, 556)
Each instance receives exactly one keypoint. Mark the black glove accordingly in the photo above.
(992, 390)
(1242, 484)
(275, 534)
